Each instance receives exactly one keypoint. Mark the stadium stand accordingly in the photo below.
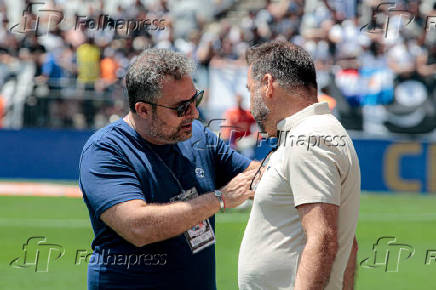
(381, 76)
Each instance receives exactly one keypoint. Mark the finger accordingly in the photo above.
(250, 194)
(255, 168)
(250, 173)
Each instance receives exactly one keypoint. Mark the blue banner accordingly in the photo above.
(41, 153)
(391, 166)
(386, 165)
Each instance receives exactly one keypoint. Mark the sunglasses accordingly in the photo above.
(258, 175)
(183, 108)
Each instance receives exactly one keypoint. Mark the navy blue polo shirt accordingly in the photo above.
(118, 165)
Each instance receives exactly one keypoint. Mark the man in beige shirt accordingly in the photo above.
(301, 231)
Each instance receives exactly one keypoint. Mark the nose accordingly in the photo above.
(193, 111)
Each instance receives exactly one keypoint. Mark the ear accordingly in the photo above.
(267, 85)
(143, 110)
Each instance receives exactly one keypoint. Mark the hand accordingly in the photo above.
(238, 189)
(257, 178)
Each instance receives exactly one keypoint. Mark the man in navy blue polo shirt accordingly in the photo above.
(150, 183)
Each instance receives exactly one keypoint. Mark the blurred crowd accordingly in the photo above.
(375, 60)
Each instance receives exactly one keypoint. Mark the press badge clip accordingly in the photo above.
(201, 235)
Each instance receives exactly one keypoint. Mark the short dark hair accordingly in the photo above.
(144, 77)
(289, 64)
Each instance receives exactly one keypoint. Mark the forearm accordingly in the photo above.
(158, 222)
(349, 274)
(142, 223)
(315, 265)
(253, 165)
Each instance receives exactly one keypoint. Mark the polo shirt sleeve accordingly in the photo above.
(106, 178)
(228, 163)
(313, 174)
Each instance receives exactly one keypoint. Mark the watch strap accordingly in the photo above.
(219, 196)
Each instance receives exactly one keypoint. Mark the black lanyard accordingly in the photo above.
(167, 167)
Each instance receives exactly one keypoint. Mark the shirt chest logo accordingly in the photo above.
(199, 172)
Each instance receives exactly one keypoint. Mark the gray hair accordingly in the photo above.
(144, 77)
(289, 64)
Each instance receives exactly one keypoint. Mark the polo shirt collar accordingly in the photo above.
(292, 121)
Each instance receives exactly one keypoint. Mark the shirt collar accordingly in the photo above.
(292, 121)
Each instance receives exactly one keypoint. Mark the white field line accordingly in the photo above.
(38, 189)
(50, 223)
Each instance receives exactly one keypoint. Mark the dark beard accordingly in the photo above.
(157, 131)
(261, 126)
(260, 111)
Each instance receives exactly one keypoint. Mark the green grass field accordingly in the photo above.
(64, 221)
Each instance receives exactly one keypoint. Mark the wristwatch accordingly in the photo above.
(219, 195)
